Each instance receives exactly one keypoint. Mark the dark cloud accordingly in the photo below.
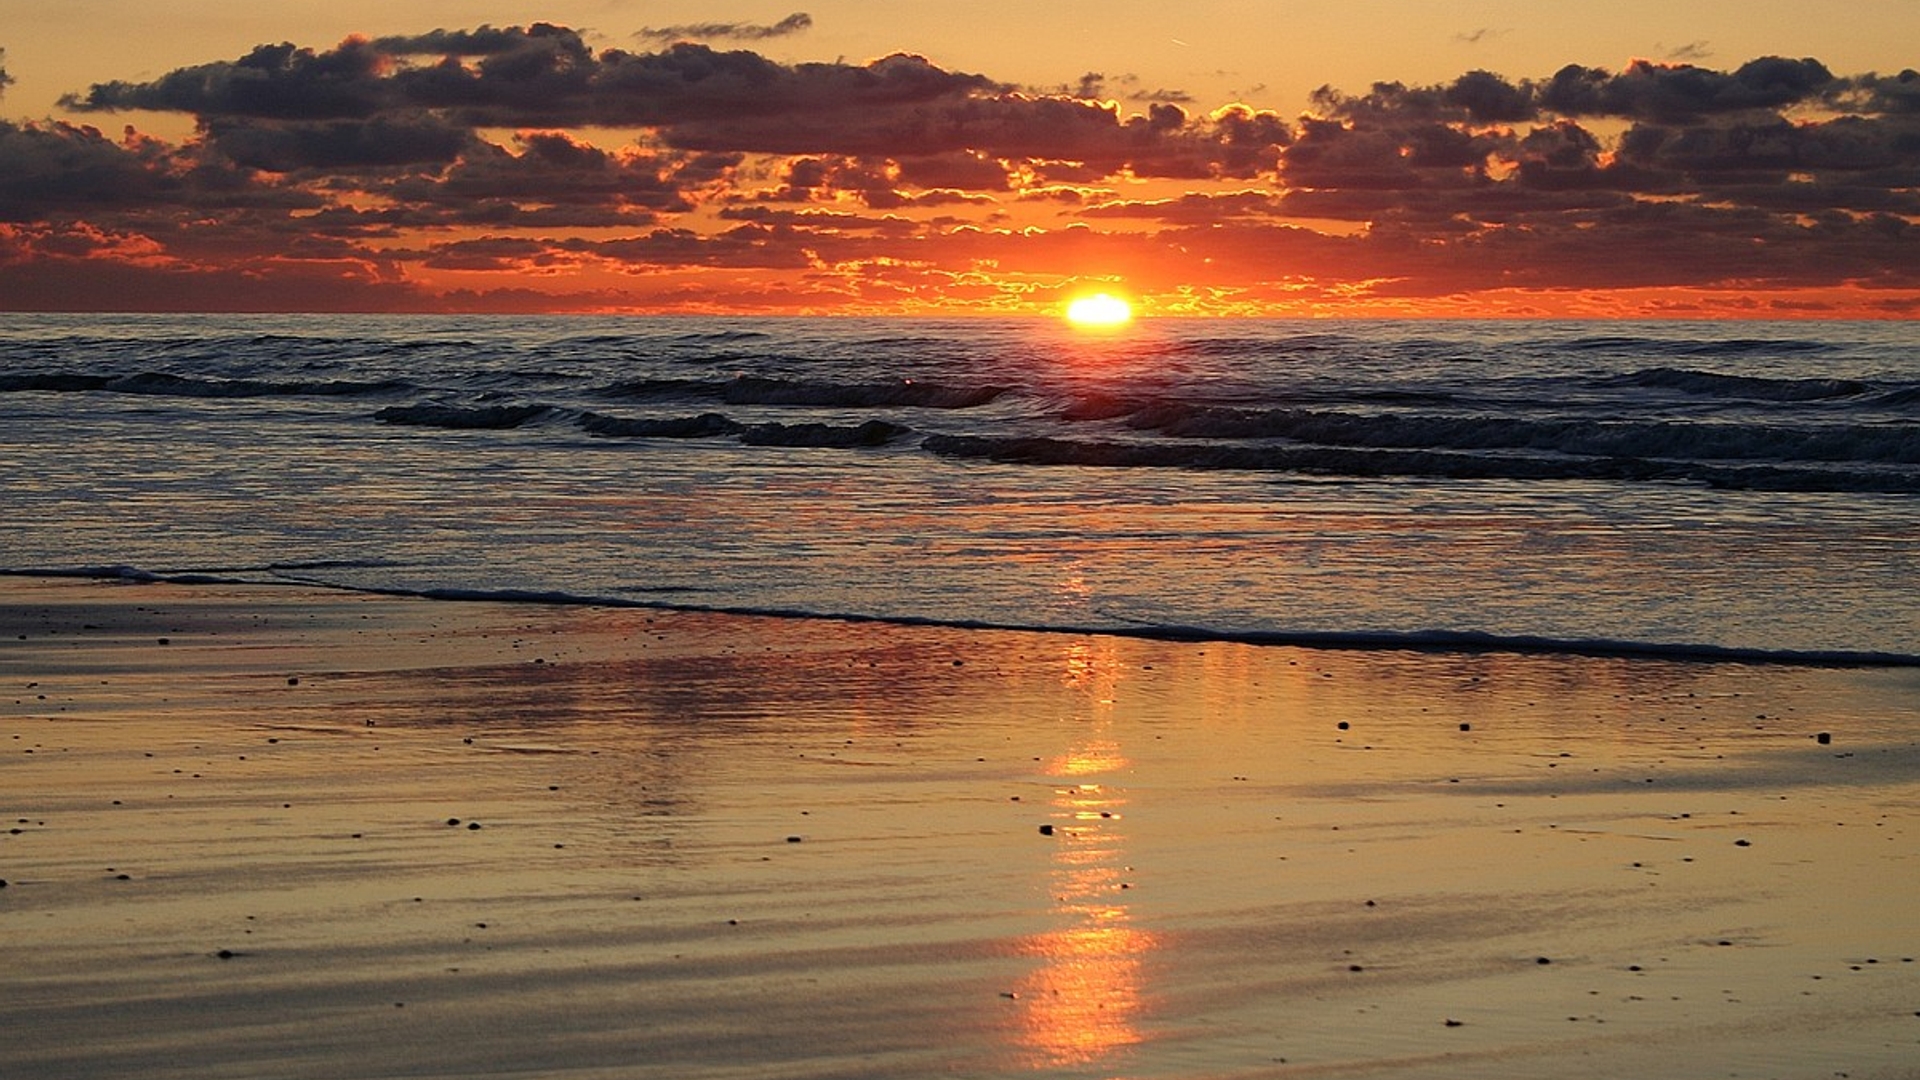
(551, 168)
(1645, 90)
(62, 170)
(58, 168)
(691, 84)
(697, 98)
(386, 140)
(969, 171)
(871, 180)
(1330, 154)
(540, 75)
(1190, 209)
(1413, 153)
(1477, 96)
(792, 24)
(1769, 149)
(1630, 245)
(6, 80)
(819, 219)
(884, 181)
(1804, 197)
(1488, 98)
(397, 221)
(1677, 93)
(492, 253)
(999, 125)
(1563, 156)
(1443, 215)
(1248, 141)
(748, 246)
(1880, 94)
(543, 180)
(890, 184)
(278, 82)
(74, 269)
(487, 41)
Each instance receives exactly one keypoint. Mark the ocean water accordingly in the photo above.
(1731, 490)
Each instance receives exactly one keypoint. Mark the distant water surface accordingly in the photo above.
(1746, 489)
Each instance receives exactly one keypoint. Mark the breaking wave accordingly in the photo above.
(1714, 384)
(761, 390)
(715, 425)
(163, 384)
(457, 417)
(1878, 443)
(1434, 464)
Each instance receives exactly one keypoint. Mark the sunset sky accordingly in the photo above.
(1714, 158)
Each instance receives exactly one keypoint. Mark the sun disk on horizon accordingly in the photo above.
(1099, 311)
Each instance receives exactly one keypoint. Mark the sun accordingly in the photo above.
(1101, 311)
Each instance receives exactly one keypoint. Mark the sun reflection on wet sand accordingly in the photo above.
(1084, 1001)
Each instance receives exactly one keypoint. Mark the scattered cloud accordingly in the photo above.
(792, 24)
(1094, 86)
(1692, 50)
(416, 172)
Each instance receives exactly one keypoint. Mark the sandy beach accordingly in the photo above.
(254, 832)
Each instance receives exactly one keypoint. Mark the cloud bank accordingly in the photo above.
(519, 168)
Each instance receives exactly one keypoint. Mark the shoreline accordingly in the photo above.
(715, 845)
(1438, 642)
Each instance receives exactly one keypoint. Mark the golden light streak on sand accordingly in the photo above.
(1084, 1002)
(714, 846)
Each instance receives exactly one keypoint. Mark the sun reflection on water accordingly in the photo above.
(1084, 1000)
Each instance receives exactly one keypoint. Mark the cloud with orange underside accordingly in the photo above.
(515, 168)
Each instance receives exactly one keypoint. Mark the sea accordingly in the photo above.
(1725, 491)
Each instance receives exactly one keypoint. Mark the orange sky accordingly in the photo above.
(1248, 159)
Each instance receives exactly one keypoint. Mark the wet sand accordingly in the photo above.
(254, 832)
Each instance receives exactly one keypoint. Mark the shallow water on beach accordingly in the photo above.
(343, 837)
(1752, 487)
